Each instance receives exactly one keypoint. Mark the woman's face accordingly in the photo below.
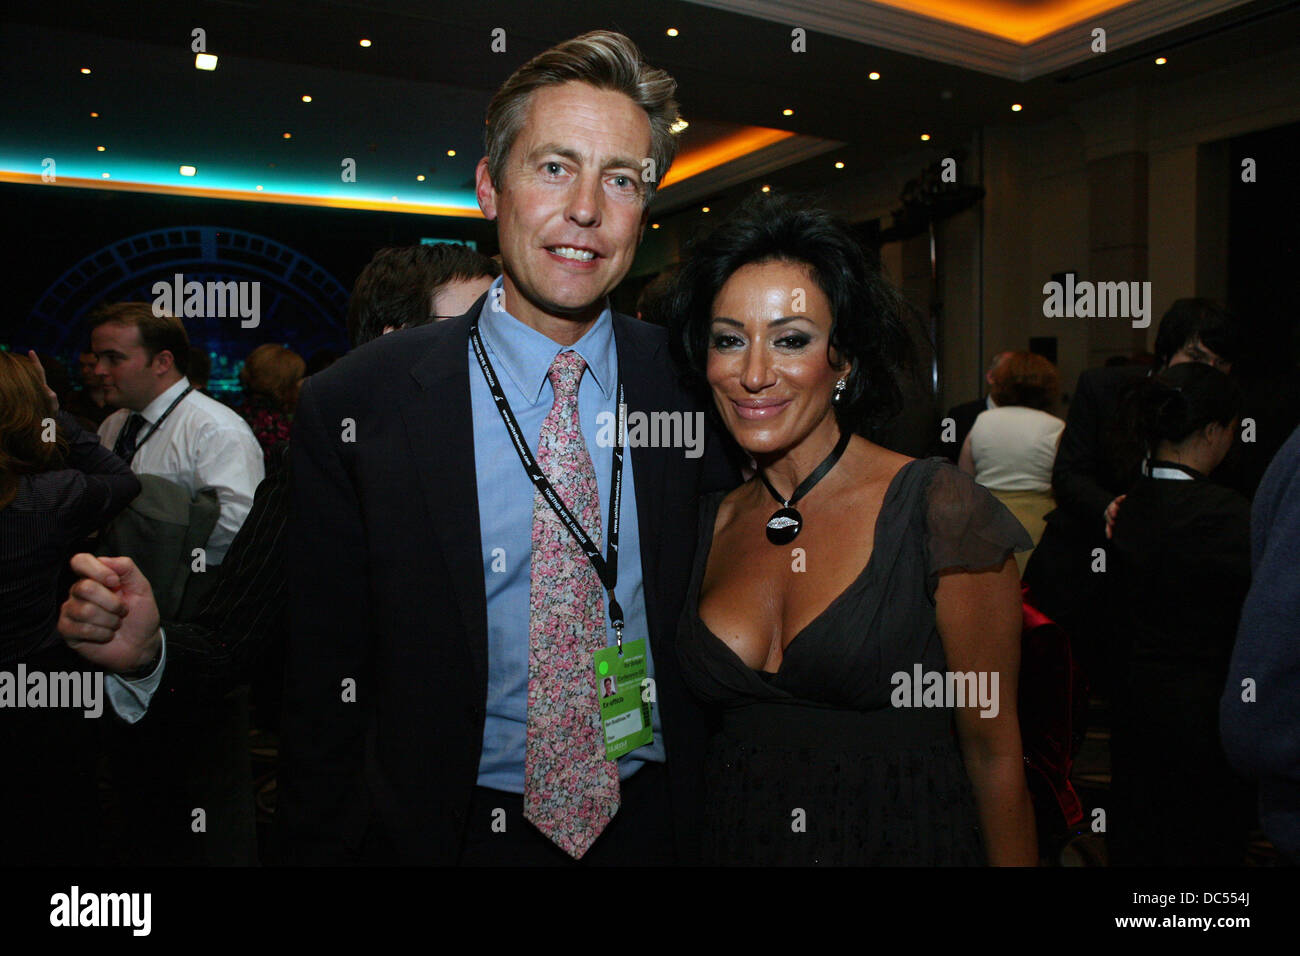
(768, 362)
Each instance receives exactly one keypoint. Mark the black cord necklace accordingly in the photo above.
(784, 526)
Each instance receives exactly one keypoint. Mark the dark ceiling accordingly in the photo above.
(423, 86)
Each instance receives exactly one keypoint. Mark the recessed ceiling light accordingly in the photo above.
(925, 137)
(1016, 107)
(288, 135)
(873, 75)
(839, 165)
(394, 197)
(205, 61)
(188, 170)
(103, 175)
(1161, 61)
(259, 189)
(654, 225)
(420, 178)
(85, 70)
(678, 125)
(306, 99)
(364, 42)
(767, 189)
(100, 149)
(94, 115)
(787, 112)
(672, 31)
(704, 209)
(451, 152)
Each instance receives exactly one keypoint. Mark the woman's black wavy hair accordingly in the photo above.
(866, 323)
(1184, 399)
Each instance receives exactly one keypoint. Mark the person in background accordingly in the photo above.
(964, 415)
(1099, 458)
(320, 360)
(1182, 568)
(653, 298)
(1257, 715)
(407, 286)
(88, 403)
(1011, 447)
(271, 377)
(58, 484)
(166, 428)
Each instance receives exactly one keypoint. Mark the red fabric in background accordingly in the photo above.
(1053, 705)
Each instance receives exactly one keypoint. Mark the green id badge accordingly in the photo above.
(623, 713)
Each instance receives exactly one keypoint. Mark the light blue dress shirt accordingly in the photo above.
(522, 358)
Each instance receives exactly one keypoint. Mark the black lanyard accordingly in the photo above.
(158, 424)
(606, 567)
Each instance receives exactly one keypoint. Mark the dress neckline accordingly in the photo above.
(770, 676)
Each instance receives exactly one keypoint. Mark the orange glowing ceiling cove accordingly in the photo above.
(1021, 21)
(696, 161)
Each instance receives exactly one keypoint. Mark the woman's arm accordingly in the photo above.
(110, 485)
(979, 618)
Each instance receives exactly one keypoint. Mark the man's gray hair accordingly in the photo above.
(603, 59)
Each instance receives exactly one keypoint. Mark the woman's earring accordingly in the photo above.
(839, 391)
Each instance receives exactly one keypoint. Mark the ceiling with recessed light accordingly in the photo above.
(405, 112)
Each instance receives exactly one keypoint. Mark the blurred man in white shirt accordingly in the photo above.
(164, 427)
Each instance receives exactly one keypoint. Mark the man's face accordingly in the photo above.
(1194, 351)
(454, 298)
(571, 212)
(87, 362)
(130, 379)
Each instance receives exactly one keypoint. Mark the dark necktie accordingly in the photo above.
(124, 447)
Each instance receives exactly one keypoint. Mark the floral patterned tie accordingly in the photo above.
(571, 790)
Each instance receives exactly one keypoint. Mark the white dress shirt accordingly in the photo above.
(1014, 447)
(201, 444)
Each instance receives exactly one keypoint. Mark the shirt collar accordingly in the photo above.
(154, 409)
(525, 355)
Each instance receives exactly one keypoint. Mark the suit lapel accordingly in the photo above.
(439, 424)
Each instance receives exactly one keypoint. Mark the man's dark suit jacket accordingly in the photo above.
(387, 591)
(963, 417)
(1091, 470)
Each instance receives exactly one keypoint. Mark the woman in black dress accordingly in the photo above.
(843, 740)
(1182, 563)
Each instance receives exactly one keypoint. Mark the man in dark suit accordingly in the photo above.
(439, 701)
(964, 415)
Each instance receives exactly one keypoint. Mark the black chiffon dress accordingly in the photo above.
(813, 766)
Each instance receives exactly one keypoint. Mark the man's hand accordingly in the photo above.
(1112, 512)
(110, 617)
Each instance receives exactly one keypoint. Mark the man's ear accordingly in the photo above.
(485, 190)
(164, 360)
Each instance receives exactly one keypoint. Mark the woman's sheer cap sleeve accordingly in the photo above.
(967, 528)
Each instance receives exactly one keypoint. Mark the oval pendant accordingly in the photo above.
(783, 527)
